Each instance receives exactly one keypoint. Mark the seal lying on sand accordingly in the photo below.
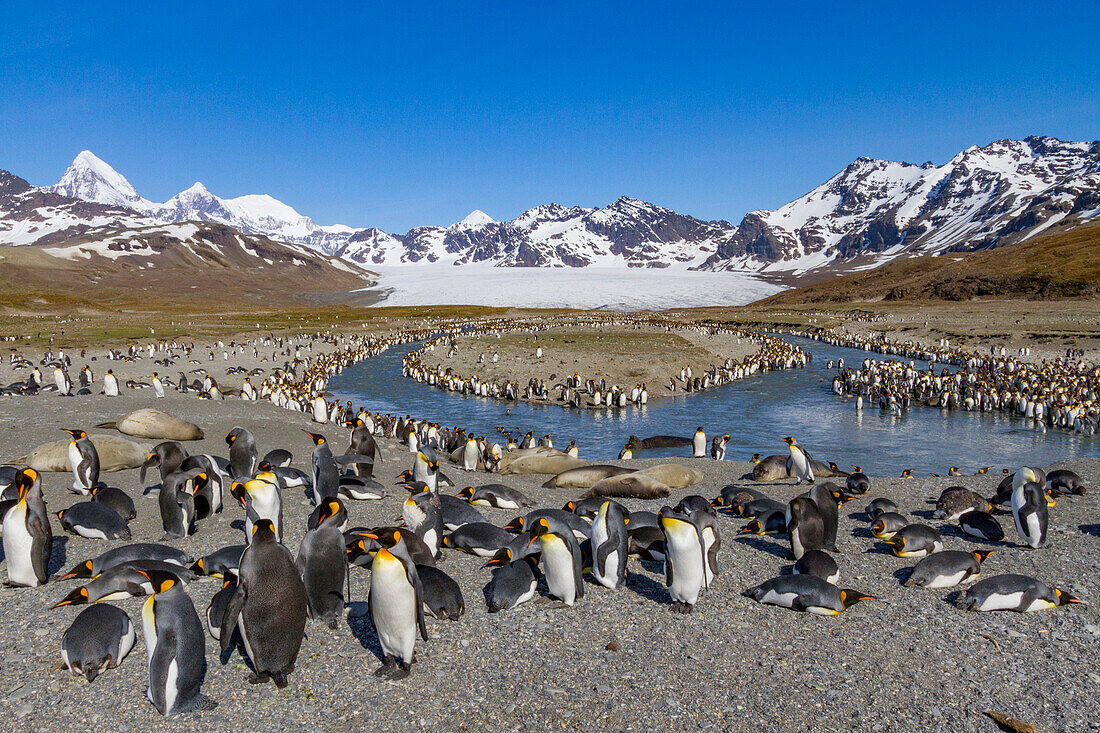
(543, 464)
(518, 453)
(146, 423)
(658, 441)
(629, 486)
(772, 468)
(674, 475)
(115, 454)
(584, 477)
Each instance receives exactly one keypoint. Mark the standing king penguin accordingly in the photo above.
(396, 605)
(684, 559)
(322, 561)
(27, 539)
(84, 462)
(1029, 512)
(269, 607)
(175, 646)
(561, 561)
(801, 465)
(699, 444)
(610, 545)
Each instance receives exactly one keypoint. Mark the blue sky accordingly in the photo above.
(403, 114)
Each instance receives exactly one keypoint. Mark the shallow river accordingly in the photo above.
(757, 412)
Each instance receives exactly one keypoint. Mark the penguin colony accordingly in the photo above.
(1060, 393)
(269, 593)
(579, 392)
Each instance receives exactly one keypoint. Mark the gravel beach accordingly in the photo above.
(617, 660)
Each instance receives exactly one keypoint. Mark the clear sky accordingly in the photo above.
(401, 114)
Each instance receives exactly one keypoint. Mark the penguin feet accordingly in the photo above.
(387, 668)
(279, 678)
(392, 671)
(681, 607)
(260, 678)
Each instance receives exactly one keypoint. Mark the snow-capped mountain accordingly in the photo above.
(91, 179)
(627, 232)
(875, 210)
(870, 212)
(76, 245)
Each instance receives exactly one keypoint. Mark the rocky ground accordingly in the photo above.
(626, 357)
(618, 660)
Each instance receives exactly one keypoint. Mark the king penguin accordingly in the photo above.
(175, 647)
(243, 455)
(99, 639)
(801, 464)
(268, 608)
(396, 605)
(470, 454)
(322, 561)
(27, 538)
(561, 562)
(1029, 512)
(684, 559)
(610, 545)
(1013, 592)
(325, 472)
(699, 443)
(805, 526)
(84, 462)
(110, 384)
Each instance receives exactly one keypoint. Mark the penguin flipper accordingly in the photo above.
(603, 552)
(163, 656)
(418, 590)
(668, 571)
(232, 613)
(41, 545)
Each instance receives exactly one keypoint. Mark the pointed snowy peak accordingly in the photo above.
(91, 179)
(197, 192)
(475, 220)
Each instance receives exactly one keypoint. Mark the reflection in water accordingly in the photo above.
(757, 412)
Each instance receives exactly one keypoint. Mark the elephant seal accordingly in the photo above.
(146, 423)
(539, 450)
(772, 468)
(115, 454)
(554, 464)
(674, 475)
(824, 470)
(629, 486)
(584, 477)
(658, 441)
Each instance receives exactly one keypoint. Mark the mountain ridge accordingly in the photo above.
(871, 212)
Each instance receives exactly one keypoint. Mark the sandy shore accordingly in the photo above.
(617, 660)
(623, 356)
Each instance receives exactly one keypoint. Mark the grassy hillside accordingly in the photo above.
(1060, 264)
